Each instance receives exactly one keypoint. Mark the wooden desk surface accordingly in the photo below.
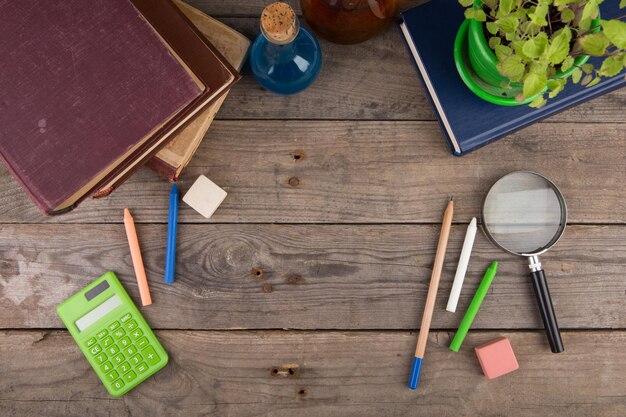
(302, 295)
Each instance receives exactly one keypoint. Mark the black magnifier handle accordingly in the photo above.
(545, 305)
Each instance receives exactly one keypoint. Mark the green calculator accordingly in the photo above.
(112, 334)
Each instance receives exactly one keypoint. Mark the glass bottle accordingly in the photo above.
(285, 58)
(348, 21)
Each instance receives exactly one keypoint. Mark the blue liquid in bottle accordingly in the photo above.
(285, 66)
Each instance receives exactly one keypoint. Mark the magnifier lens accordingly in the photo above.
(524, 213)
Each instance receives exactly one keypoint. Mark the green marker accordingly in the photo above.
(472, 310)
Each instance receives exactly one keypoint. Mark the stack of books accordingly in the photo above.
(91, 91)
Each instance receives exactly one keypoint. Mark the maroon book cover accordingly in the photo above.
(82, 83)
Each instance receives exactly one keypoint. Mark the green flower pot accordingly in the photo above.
(476, 64)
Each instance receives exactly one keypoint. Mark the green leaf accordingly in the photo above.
(534, 84)
(567, 63)
(615, 30)
(511, 67)
(538, 17)
(622, 4)
(559, 3)
(559, 47)
(576, 75)
(490, 3)
(594, 43)
(506, 6)
(587, 68)
(492, 27)
(586, 79)
(535, 47)
(494, 41)
(466, 3)
(591, 10)
(567, 15)
(539, 66)
(502, 52)
(480, 15)
(508, 24)
(594, 82)
(556, 86)
(611, 66)
(538, 102)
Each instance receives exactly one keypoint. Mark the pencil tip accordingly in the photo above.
(451, 198)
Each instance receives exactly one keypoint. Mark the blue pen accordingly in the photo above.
(172, 222)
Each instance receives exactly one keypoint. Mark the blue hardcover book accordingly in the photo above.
(467, 121)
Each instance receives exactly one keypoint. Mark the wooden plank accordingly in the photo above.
(307, 277)
(379, 172)
(255, 7)
(347, 374)
(374, 80)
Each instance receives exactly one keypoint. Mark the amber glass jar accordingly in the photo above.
(348, 21)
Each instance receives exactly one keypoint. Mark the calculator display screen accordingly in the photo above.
(97, 313)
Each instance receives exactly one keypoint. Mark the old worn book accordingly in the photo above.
(174, 157)
(89, 89)
(200, 56)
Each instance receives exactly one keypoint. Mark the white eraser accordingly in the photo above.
(204, 196)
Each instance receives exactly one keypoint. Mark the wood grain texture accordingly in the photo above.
(344, 374)
(308, 277)
(374, 80)
(369, 172)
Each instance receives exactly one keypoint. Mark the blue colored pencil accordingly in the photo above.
(172, 222)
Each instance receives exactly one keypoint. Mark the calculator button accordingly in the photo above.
(102, 333)
(101, 358)
(114, 325)
(119, 333)
(126, 317)
(91, 342)
(113, 349)
(125, 342)
(136, 334)
(143, 367)
(111, 376)
(95, 349)
(130, 350)
(150, 355)
(142, 343)
(131, 325)
(136, 359)
(119, 358)
(125, 367)
(119, 384)
(130, 376)
(107, 342)
(106, 367)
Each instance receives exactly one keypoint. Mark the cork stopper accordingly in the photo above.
(279, 23)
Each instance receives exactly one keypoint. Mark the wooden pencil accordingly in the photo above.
(446, 225)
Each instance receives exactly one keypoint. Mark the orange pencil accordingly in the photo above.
(135, 254)
(446, 225)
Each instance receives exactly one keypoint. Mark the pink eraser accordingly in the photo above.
(496, 357)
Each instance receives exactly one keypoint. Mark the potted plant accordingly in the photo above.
(513, 52)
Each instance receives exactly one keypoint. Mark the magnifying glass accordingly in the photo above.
(525, 214)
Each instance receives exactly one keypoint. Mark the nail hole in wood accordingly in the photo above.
(302, 392)
(257, 273)
(294, 181)
(297, 155)
(288, 370)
